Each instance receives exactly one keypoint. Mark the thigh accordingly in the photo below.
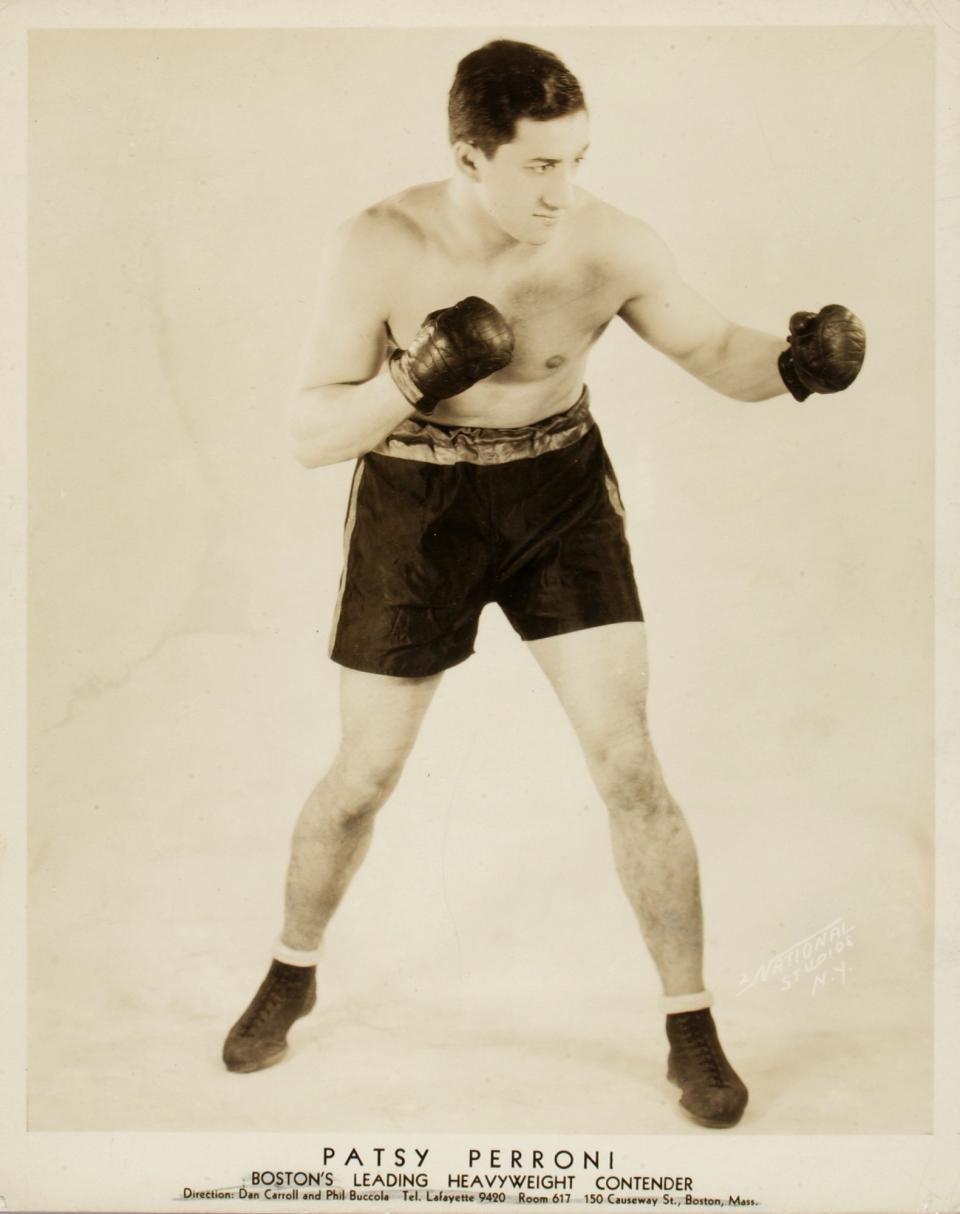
(380, 715)
(600, 676)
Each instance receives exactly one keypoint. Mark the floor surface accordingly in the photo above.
(484, 973)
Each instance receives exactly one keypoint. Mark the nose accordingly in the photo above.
(559, 193)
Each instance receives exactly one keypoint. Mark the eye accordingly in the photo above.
(540, 168)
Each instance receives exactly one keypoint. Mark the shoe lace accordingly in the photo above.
(263, 1009)
(704, 1050)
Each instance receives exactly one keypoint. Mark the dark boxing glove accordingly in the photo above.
(826, 351)
(453, 349)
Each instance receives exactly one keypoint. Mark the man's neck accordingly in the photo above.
(476, 233)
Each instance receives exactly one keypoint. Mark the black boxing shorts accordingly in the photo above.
(445, 519)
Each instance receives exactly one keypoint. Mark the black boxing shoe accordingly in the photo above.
(712, 1092)
(259, 1038)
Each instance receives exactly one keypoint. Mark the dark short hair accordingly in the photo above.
(502, 82)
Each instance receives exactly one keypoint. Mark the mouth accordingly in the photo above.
(546, 218)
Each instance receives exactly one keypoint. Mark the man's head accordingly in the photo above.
(519, 129)
(502, 82)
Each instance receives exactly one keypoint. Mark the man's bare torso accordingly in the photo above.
(558, 298)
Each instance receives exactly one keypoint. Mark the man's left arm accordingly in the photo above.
(823, 352)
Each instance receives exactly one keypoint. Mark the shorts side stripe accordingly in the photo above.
(348, 528)
(613, 493)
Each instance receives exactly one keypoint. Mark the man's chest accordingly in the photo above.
(556, 310)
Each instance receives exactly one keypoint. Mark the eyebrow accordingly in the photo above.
(554, 160)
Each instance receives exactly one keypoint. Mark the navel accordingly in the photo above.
(556, 360)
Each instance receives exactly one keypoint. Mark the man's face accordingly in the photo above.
(527, 185)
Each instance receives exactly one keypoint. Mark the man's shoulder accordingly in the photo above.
(626, 243)
(398, 222)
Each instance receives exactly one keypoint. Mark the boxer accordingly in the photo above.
(448, 360)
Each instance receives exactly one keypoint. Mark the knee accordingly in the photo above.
(357, 785)
(626, 771)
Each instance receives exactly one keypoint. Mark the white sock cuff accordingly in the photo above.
(295, 956)
(672, 1004)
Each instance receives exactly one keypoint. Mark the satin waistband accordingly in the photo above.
(435, 443)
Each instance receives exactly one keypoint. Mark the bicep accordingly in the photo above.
(674, 318)
(346, 341)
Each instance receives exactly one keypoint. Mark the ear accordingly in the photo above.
(468, 159)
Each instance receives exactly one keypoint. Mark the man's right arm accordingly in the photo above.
(347, 401)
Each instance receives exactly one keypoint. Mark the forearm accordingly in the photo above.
(742, 364)
(343, 421)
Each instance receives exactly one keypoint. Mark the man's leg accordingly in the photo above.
(380, 719)
(600, 675)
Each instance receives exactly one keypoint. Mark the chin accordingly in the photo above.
(526, 233)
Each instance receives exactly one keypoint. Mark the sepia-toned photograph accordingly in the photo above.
(480, 605)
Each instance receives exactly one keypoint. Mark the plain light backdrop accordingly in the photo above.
(183, 568)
